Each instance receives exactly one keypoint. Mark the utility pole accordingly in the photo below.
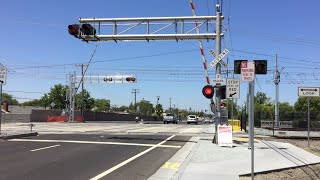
(276, 82)
(218, 69)
(135, 91)
(82, 88)
(72, 92)
(170, 103)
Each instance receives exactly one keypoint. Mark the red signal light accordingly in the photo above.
(131, 79)
(73, 29)
(207, 91)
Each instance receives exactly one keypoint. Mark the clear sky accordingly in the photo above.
(34, 38)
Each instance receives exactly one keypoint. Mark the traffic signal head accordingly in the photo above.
(222, 92)
(74, 30)
(131, 79)
(261, 66)
(107, 79)
(208, 91)
(87, 29)
(237, 66)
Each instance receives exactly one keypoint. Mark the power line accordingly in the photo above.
(108, 60)
(29, 92)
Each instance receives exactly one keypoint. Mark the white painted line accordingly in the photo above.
(92, 142)
(45, 148)
(129, 160)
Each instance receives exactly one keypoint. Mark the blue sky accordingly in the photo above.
(34, 35)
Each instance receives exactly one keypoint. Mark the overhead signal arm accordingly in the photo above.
(139, 29)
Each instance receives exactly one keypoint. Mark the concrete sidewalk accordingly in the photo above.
(206, 160)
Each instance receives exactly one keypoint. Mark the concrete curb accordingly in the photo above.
(13, 136)
(175, 164)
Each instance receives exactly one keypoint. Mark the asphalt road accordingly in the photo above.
(87, 156)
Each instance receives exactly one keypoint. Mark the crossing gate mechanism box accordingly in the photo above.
(224, 135)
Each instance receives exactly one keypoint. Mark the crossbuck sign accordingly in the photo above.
(219, 58)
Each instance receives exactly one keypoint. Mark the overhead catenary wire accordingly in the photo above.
(85, 71)
(163, 54)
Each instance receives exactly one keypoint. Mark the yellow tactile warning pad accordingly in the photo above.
(171, 165)
(243, 139)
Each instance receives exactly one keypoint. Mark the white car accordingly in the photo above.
(192, 119)
(208, 121)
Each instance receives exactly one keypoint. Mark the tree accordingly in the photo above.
(120, 109)
(302, 104)
(45, 101)
(261, 98)
(285, 107)
(57, 95)
(145, 107)
(35, 102)
(102, 105)
(88, 102)
(9, 98)
(286, 111)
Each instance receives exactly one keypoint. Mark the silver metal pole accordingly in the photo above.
(232, 113)
(308, 122)
(251, 120)
(218, 71)
(276, 81)
(0, 103)
(73, 94)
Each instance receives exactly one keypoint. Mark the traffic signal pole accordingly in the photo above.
(218, 71)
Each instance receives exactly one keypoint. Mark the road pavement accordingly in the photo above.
(86, 156)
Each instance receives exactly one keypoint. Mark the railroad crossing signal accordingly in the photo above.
(109, 79)
(208, 91)
(85, 29)
(219, 58)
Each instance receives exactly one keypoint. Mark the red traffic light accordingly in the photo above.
(131, 79)
(208, 91)
(73, 29)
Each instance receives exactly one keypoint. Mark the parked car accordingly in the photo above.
(208, 121)
(168, 118)
(192, 119)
